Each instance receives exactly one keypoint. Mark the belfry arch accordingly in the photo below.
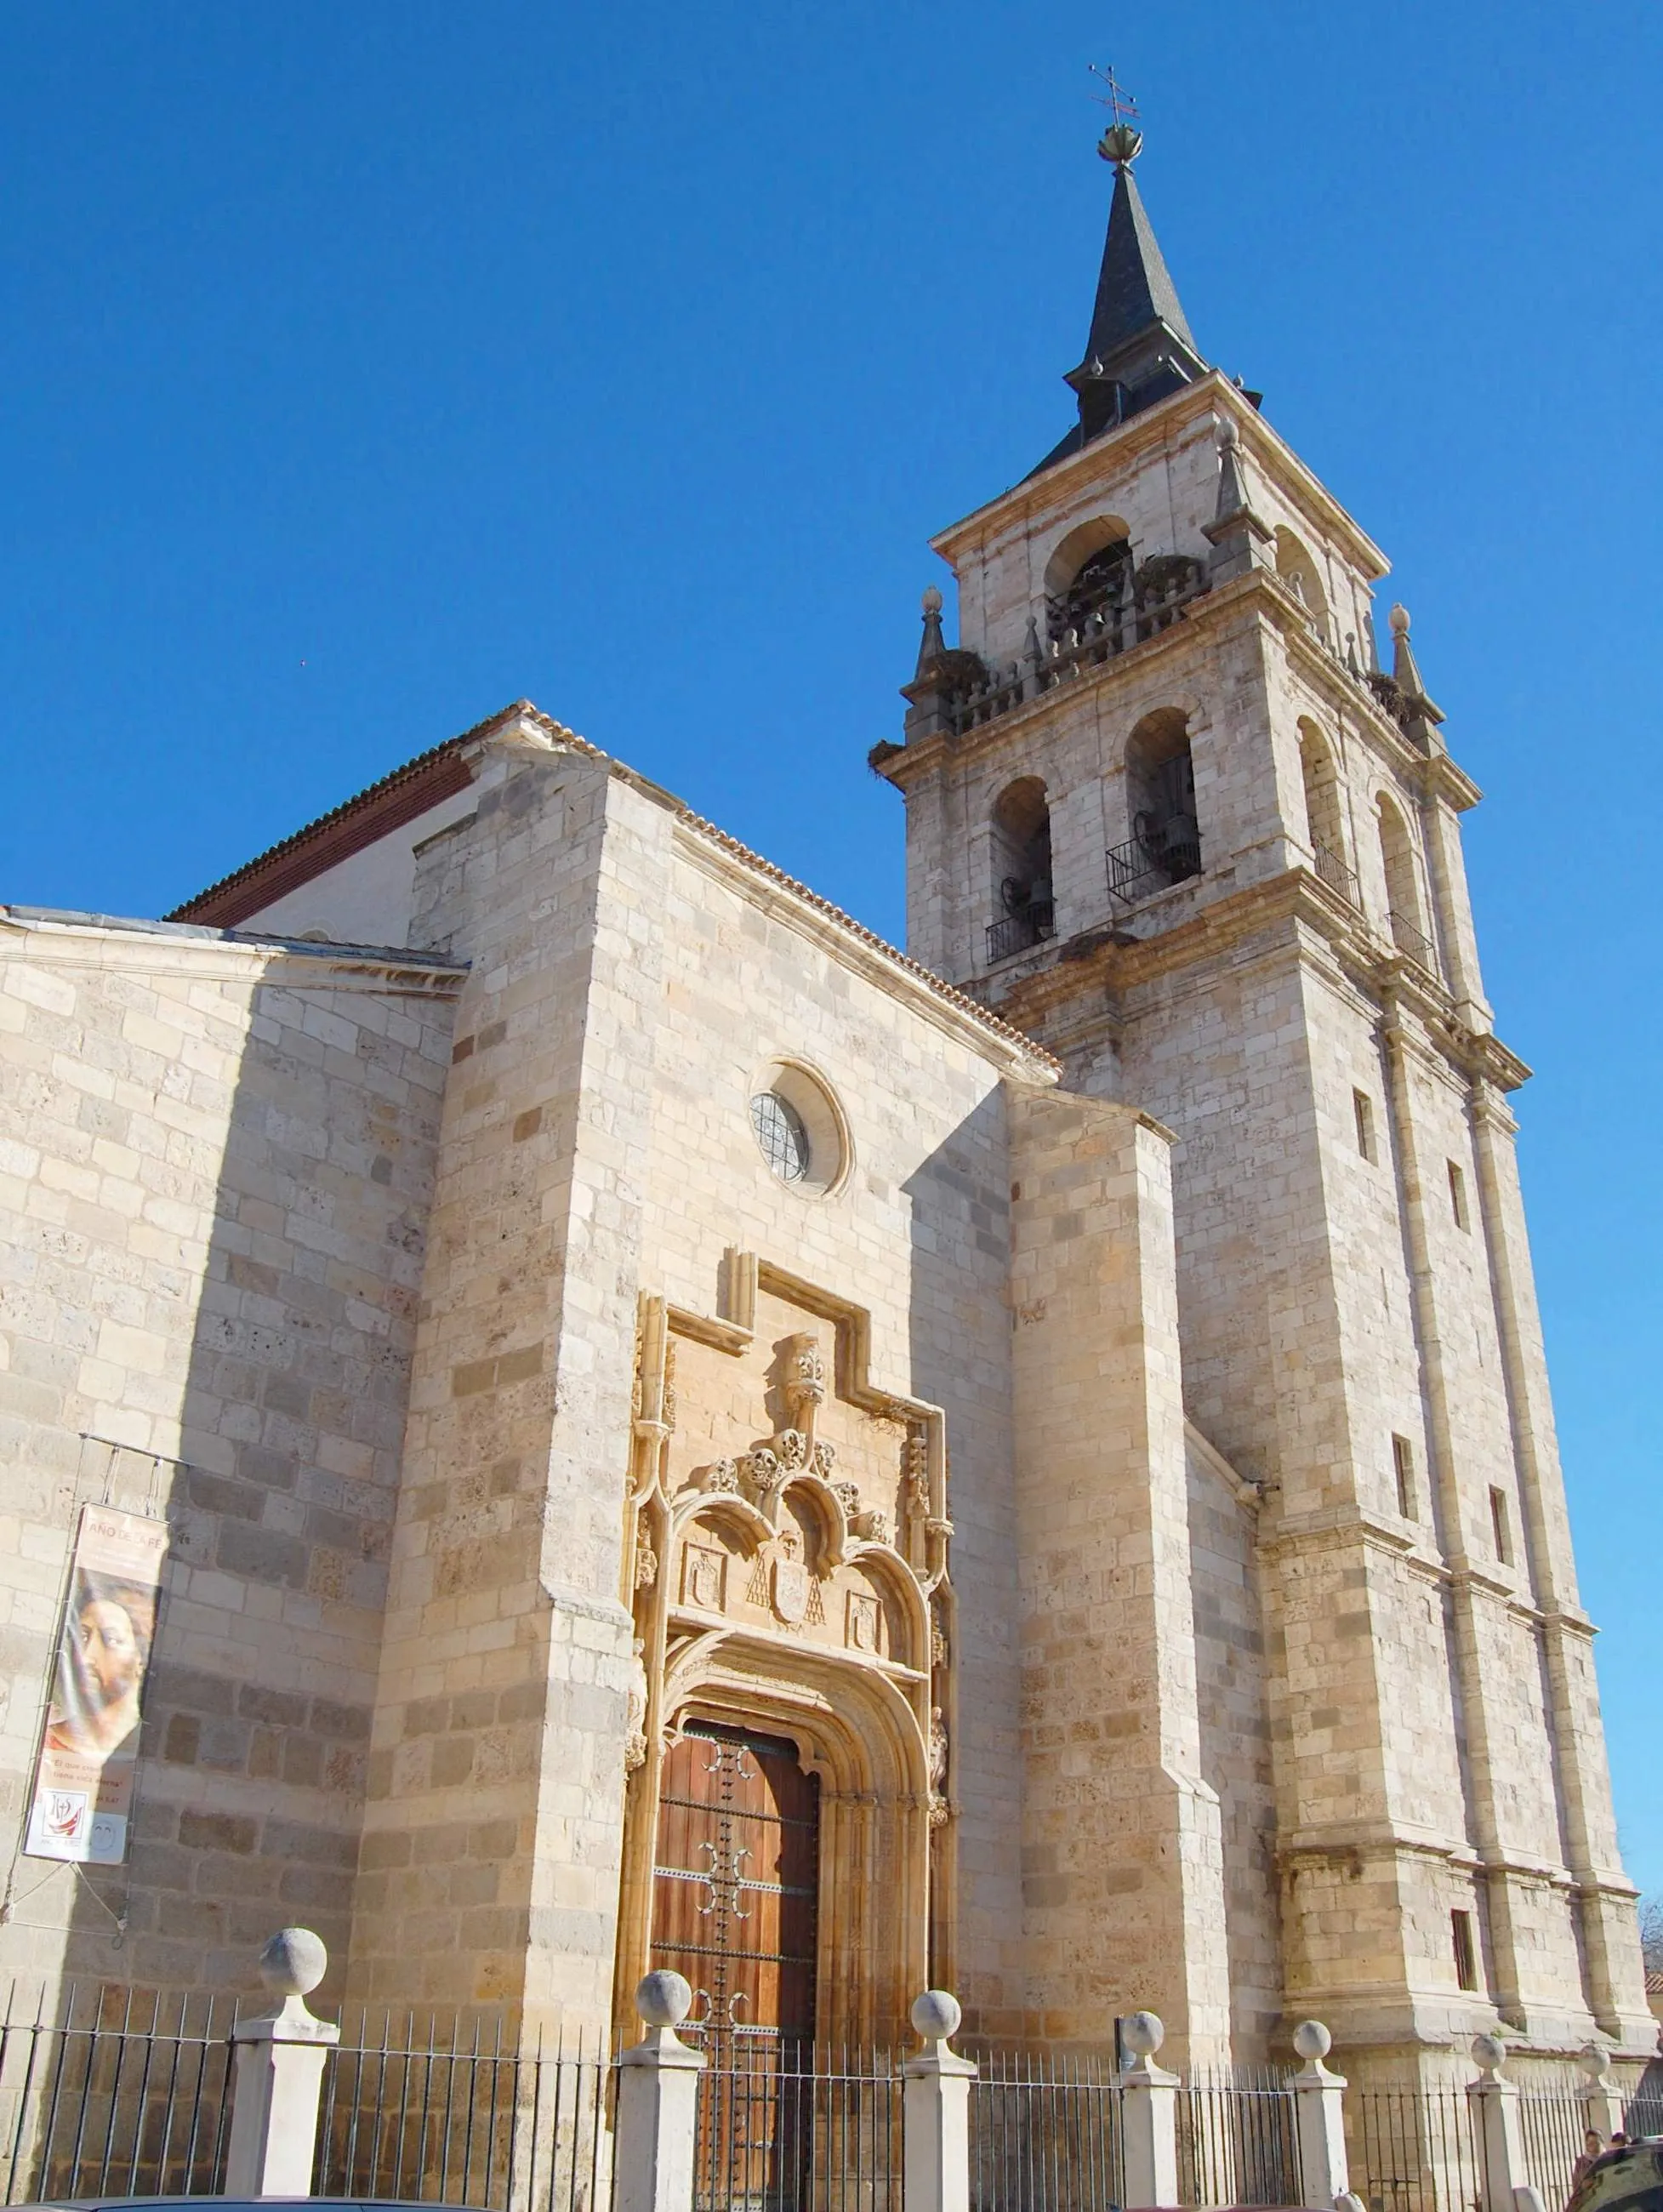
(793, 1716)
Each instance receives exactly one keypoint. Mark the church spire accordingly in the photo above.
(1140, 346)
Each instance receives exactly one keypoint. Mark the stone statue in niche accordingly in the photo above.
(937, 1767)
(915, 1469)
(635, 1740)
(646, 1562)
(938, 1749)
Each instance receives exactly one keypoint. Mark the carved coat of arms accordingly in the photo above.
(791, 1583)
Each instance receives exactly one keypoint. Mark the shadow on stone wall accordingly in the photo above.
(257, 1717)
(960, 1360)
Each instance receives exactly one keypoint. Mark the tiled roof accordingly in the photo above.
(442, 770)
(382, 804)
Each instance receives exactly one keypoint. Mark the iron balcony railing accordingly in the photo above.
(1030, 925)
(1412, 940)
(1333, 871)
(1143, 866)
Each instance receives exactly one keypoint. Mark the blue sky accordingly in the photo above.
(362, 369)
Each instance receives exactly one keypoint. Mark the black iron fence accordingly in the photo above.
(115, 2092)
(453, 2111)
(798, 2128)
(1045, 2134)
(119, 2093)
(1238, 2143)
(1413, 2149)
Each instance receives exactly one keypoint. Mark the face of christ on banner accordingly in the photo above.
(101, 1665)
(83, 1794)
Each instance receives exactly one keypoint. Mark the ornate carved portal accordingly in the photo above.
(796, 1517)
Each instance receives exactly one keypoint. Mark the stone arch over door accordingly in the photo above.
(788, 1577)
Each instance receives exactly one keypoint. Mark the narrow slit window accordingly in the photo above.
(1458, 1194)
(1403, 1466)
(1364, 1107)
(1466, 1957)
(1501, 1527)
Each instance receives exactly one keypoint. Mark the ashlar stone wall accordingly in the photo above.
(214, 1180)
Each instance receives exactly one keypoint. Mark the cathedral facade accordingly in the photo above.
(683, 1436)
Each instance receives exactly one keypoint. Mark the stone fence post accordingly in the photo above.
(1603, 2110)
(1493, 2102)
(278, 2073)
(936, 2112)
(1149, 2116)
(1319, 2119)
(657, 2114)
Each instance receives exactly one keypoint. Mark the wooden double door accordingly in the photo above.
(736, 1881)
(735, 1887)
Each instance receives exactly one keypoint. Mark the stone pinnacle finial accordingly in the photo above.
(1405, 671)
(931, 645)
(1232, 473)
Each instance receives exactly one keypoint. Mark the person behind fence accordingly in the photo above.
(1592, 2146)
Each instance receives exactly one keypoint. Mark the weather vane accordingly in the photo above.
(1121, 142)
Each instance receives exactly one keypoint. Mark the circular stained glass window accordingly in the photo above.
(780, 1133)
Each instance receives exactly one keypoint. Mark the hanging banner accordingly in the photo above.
(83, 1785)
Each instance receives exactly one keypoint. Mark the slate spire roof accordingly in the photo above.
(1140, 346)
(1134, 287)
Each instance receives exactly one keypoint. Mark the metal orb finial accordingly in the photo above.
(1120, 144)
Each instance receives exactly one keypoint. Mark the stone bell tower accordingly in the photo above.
(1166, 813)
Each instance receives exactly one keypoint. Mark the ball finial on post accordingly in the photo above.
(1489, 2054)
(935, 2015)
(664, 1998)
(1313, 2041)
(293, 1962)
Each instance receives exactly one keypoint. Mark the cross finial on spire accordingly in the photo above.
(1121, 142)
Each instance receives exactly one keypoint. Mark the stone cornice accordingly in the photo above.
(1311, 1532)
(72, 940)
